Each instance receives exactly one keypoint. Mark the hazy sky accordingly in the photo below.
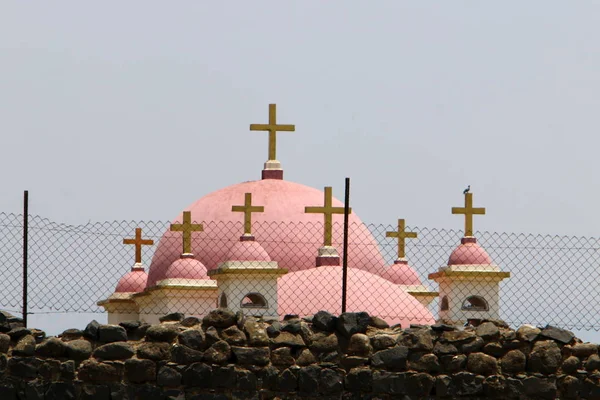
(133, 110)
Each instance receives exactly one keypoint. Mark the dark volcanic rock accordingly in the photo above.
(545, 357)
(25, 346)
(52, 347)
(282, 357)
(140, 371)
(571, 365)
(558, 334)
(417, 339)
(256, 332)
(168, 376)
(350, 323)
(359, 380)
(111, 333)
(360, 345)
(220, 318)
(162, 333)
(193, 338)
(513, 362)
(96, 372)
(114, 351)
(184, 355)
(4, 343)
(79, 349)
(154, 351)
(324, 321)
(482, 364)
(541, 388)
(188, 322)
(234, 336)
(172, 317)
(252, 355)
(488, 331)
(393, 359)
(18, 333)
(218, 353)
(198, 375)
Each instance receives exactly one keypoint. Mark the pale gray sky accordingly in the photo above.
(133, 110)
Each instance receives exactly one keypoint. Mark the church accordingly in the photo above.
(272, 247)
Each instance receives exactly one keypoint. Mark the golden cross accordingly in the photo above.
(248, 209)
(273, 128)
(187, 228)
(401, 235)
(328, 211)
(468, 211)
(138, 242)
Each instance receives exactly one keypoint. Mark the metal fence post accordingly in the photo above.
(25, 252)
(345, 259)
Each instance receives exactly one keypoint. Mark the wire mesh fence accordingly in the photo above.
(553, 279)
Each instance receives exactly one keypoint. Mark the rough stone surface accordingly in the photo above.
(513, 362)
(256, 333)
(114, 351)
(112, 333)
(528, 333)
(140, 371)
(218, 353)
(220, 318)
(560, 335)
(154, 351)
(257, 359)
(162, 333)
(350, 323)
(488, 331)
(234, 336)
(482, 364)
(173, 317)
(52, 347)
(324, 321)
(545, 357)
(25, 346)
(193, 338)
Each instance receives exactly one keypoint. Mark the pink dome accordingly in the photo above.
(469, 252)
(247, 251)
(133, 281)
(307, 292)
(401, 274)
(288, 234)
(185, 268)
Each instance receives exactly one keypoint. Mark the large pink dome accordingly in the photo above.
(288, 234)
(132, 282)
(469, 253)
(183, 268)
(307, 292)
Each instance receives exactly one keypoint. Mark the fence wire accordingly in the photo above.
(554, 279)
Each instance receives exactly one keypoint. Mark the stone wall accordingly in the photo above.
(353, 356)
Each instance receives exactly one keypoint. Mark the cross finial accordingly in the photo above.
(187, 228)
(327, 210)
(138, 242)
(272, 128)
(401, 235)
(468, 212)
(248, 209)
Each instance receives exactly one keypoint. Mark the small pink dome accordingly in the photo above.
(401, 274)
(247, 251)
(469, 252)
(186, 268)
(309, 291)
(133, 281)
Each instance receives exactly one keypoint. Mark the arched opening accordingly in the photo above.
(223, 300)
(475, 303)
(254, 300)
(444, 304)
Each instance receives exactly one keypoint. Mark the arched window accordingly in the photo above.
(475, 303)
(223, 300)
(254, 300)
(444, 303)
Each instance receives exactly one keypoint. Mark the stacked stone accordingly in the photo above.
(353, 356)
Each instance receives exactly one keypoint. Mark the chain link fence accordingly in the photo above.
(554, 279)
